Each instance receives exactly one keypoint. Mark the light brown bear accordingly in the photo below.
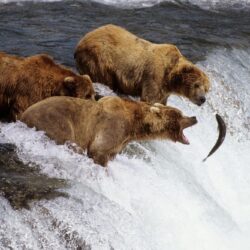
(115, 57)
(106, 126)
(25, 81)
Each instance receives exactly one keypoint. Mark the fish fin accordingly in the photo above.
(204, 159)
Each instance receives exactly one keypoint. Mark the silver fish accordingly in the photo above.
(222, 134)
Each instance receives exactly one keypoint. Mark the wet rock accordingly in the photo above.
(22, 183)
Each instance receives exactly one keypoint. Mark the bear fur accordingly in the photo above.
(106, 126)
(25, 81)
(128, 64)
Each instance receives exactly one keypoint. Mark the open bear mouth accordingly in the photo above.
(184, 139)
(186, 123)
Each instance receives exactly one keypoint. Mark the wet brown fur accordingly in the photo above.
(27, 80)
(115, 57)
(105, 127)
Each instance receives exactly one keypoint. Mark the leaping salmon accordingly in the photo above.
(222, 134)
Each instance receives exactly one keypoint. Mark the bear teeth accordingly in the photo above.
(185, 139)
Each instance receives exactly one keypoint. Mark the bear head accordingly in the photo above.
(165, 122)
(79, 86)
(189, 81)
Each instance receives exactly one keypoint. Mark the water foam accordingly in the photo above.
(21, 1)
(229, 70)
(155, 195)
(205, 4)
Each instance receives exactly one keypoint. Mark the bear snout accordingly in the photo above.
(188, 122)
(200, 100)
(193, 120)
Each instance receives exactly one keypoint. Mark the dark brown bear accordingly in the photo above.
(27, 80)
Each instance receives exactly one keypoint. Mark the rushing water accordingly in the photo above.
(155, 195)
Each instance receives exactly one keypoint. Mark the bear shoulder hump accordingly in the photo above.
(42, 59)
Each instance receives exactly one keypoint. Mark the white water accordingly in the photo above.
(156, 195)
(205, 4)
(20, 1)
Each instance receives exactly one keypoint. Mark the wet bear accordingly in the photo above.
(115, 57)
(106, 126)
(27, 80)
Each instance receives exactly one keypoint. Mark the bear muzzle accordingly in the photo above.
(200, 100)
(185, 123)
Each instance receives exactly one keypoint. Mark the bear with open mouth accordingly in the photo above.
(105, 127)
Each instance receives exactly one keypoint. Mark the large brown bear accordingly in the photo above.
(25, 81)
(106, 126)
(133, 66)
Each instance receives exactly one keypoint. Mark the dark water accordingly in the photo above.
(55, 28)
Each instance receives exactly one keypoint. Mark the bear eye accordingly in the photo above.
(196, 85)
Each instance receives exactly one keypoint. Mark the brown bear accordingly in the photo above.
(27, 80)
(128, 64)
(106, 126)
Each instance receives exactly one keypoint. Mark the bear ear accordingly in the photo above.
(158, 104)
(187, 69)
(155, 110)
(69, 82)
(86, 77)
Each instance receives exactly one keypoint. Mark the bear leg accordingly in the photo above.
(100, 158)
(152, 94)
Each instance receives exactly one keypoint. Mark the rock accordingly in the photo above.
(22, 183)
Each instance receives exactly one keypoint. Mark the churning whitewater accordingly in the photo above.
(155, 195)
(206, 4)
